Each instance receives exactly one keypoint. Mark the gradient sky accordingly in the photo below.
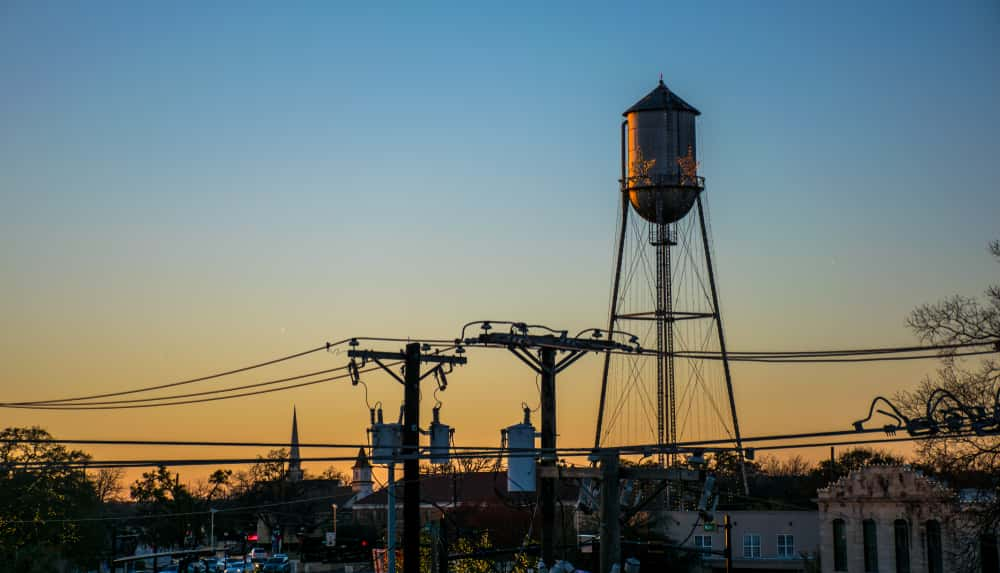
(186, 187)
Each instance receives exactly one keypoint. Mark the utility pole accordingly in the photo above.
(390, 529)
(519, 341)
(611, 550)
(548, 459)
(727, 527)
(412, 376)
(411, 463)
(442, 545)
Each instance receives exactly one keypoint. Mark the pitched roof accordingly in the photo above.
(661, 98)
(293, 454)
(362, 460)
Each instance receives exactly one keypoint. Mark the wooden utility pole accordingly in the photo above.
(411, 463)
(611, 549)
(548, 458)
(410, 439)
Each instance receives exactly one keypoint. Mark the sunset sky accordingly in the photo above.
(189, 187)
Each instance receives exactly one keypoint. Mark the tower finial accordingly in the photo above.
(661, 77)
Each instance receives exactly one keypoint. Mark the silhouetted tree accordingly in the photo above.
(41, 484)
(976, 460)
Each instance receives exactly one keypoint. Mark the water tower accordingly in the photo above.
(664, 289)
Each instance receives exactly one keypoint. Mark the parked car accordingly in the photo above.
(214, 564)
(257, 554)
(278, 564)
(238, 565)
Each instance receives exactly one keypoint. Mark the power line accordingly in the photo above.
(326, 346)
(826, 357)
(77, 403)
(189, 395)
(123, 406)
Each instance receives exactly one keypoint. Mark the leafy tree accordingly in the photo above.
(42, 484)
(220, 482)
(332, 473)
(854, 459)
(268, 469)
(162, 496)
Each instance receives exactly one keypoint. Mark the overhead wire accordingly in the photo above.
(326, 346)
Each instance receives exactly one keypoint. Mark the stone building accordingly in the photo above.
(888, 519)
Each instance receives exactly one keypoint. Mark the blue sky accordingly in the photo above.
(233, 179)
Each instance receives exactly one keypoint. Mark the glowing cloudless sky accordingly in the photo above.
(186, 187)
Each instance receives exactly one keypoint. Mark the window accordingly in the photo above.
(871, 545)
(901, 532)
(935, 564)
(751, 546)
(839, 545)
(704, 542)
(786, 546)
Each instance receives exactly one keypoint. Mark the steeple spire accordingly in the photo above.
(294, 460)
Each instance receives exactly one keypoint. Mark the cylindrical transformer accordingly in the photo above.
(521, 458)
(440, 440)
(385, 442)
(661, 172)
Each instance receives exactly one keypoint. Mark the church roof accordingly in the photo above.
(293, 454)
(362, 461)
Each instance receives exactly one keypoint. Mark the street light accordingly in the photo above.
(211, 535)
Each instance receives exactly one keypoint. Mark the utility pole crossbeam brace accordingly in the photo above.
(547, 367)
(410, 436)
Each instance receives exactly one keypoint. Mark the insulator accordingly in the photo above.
(352, 367)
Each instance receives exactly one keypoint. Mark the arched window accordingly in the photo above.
(901, 532)
(935, 560)
(871, 545)
(839, 545)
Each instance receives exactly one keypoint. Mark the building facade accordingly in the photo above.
(762, 540)
(888, 519)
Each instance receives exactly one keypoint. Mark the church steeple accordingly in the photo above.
(294, 461)
(361, 482)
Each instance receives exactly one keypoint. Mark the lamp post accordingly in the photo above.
(211, 535)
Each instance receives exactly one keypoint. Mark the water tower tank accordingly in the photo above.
(660, 173)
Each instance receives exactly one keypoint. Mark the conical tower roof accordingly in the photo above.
(661, 98)
(293, 454)
(362, 461)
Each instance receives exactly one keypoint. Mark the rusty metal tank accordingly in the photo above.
(661, 169)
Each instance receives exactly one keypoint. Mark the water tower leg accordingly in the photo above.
(611, 319)
(614, 289)
(722, 345)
